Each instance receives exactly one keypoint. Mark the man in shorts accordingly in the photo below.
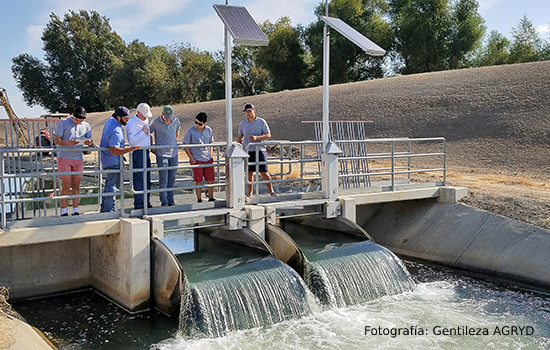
(201, 134)
(254, 129)
(71, 133)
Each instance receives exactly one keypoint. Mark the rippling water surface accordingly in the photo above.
(443, 300)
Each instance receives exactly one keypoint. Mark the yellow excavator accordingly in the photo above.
(17, 125)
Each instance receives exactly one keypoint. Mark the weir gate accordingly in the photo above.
(121, 255)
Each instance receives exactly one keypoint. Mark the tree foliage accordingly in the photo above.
(248, 78)
(526, 46)
(87, 63)
(434, 35)
(200, 74)
(81, 51)
(347, 61)
(144, 74)
(284, 56)
(495, 52)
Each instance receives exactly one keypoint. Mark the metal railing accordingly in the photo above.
(388, 161)
(31, 186)
(295, 163)
(393, 159)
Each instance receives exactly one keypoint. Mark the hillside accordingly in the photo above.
(495, 119)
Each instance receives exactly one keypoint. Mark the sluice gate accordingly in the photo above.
(234, 279)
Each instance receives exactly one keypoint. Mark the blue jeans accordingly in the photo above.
(167, 178)
(111, 183)
(137, 162)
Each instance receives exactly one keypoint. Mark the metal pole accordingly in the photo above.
(228, 88)
(326, 57)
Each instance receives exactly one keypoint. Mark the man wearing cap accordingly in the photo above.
(71, 133)
(138, 134)
(255, 129)
(113, 138)
(201, 134)
(166, 129)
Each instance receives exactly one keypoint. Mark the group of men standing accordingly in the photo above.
(162, 131)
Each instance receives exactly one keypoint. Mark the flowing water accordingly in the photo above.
(445, 310)
(352, 273)
(238, 294)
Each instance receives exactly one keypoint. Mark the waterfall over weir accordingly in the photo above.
(242, 295)
(349, 274)
(234, 280)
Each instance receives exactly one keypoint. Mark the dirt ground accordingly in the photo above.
(495, 121)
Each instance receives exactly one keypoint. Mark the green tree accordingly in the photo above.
(467, 30)
(144, 75)
(434, 35)
(213, 88)
(81, 51)
(248, 78)
(495, 52)
(201, 76)
(284, 56)
(347, 61)
(526, 46)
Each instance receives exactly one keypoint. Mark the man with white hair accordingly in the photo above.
(139, 134)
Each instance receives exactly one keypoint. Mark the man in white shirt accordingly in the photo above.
(138, 134)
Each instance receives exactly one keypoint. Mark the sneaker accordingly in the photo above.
(66, 214)
(199, 200)
(211, 199)
(171, 204)
(76, 213)
(164, 205)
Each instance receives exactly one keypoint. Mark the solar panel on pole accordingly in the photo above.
(241, 25)
(354, 36)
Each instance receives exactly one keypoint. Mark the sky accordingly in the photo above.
(166, 22)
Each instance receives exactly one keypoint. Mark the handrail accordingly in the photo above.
(30, 180)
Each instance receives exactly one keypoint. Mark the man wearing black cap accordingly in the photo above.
(255, 129)
(113, 138)
(69, 134)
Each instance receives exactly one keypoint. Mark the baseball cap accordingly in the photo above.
(122, 111)
(144, 109)
(167, 111)
(248, 106)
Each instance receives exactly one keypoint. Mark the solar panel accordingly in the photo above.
(354, 36)
(241, 25)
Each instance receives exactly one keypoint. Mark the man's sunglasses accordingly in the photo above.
(199, 123)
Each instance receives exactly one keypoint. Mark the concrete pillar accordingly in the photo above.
(452, 195)
(329, 182)
(121, 267)
(348, 208)
(157, 227)
(235, 176)
(256, 219)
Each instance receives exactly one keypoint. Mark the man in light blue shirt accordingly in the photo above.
(201, 134)
(166, 129)
(113, 138)
(70, 135)
(255, 129)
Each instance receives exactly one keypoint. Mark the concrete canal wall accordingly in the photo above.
(461, 237)
(112, 256)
